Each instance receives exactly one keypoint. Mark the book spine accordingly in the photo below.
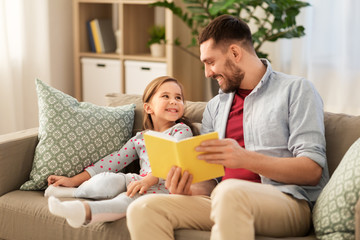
(91, 38)
(96, 35)
(100, 36)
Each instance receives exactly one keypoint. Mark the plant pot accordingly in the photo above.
(157, 49)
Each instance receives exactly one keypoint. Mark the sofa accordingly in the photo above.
(24, 215)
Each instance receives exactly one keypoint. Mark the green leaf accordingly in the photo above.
(200, 18)
(191, 1)
(221, 6)
(296, 32)
(278, 24)
(195, 9)
(177, 42)
(291, 14)
(193, 41)
(262, 54)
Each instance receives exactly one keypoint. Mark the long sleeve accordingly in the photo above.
(115, 161)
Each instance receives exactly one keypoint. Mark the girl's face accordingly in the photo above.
(166, 106)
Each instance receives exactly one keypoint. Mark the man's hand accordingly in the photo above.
(142, 185)
(177, 184)
(226, 152)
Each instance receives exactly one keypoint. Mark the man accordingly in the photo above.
(274, 131)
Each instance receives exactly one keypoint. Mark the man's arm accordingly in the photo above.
(295, 170)
(177, 184)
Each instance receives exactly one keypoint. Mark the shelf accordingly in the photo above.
(97, 1)
(136, 57)
(144, 57)
(99, 55)
(137, 1)
(118, 1)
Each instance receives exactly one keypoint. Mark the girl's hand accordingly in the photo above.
(142, 185)
(68, 182)
(60, 181)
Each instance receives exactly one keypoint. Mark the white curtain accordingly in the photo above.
(328, 54)
(35, 42)
(10, 66)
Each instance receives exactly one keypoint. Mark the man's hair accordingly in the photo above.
(227, 29)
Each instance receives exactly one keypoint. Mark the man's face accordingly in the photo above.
(220, 65)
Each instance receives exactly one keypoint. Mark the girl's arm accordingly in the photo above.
(142, 185)
(74, 181)
(115, 161)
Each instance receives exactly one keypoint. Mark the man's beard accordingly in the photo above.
(231, 83)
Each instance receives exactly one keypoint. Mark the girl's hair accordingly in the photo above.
(150, 91)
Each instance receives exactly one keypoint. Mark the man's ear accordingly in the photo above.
(147, 108)
(236, 52)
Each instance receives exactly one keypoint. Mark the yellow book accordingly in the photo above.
(166, 151)
(96, 35)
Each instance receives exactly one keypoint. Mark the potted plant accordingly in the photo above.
(157, 40)
(272, 19)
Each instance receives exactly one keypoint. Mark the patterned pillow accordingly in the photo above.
(73, 135)
(333, 214)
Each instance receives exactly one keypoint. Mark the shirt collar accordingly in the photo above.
(266, 76)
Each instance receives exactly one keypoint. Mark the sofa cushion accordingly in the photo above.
(333, 213)
(73, 135)
(341, 131)
(24, 215)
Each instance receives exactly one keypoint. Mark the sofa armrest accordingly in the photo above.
(357, 220)
(16, 158)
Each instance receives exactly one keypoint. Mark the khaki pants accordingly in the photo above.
(237, 210)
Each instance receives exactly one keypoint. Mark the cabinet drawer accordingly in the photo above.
(138, 74)
(99, 77)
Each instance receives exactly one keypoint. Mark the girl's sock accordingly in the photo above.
(59, 191)
(73, 211)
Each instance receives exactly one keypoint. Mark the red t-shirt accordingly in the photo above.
(234, 130)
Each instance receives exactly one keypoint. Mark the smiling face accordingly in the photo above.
(166, 106)
(220, 66)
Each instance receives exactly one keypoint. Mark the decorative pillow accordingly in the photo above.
(73, 135)
(334, 211)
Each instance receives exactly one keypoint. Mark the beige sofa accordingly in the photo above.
(24, 215)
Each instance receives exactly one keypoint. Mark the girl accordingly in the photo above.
(163, 102)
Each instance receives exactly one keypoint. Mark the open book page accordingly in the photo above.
(161, 149)
(165, 151)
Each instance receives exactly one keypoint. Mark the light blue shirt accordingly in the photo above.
(283, 117)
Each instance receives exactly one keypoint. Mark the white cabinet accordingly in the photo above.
(99, 77)
(139, 73)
